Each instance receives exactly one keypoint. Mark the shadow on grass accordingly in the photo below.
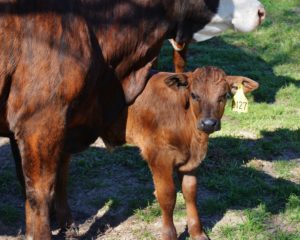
(11, 198)
(125, 182)
(123, 178)
(223, 173)
(236, 61)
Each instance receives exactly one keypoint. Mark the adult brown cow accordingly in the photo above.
(170, 122)
(67, 68)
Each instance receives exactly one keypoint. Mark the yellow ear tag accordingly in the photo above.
(240, 102)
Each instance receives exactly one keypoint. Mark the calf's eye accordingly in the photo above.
(222, 99)
(195, 96)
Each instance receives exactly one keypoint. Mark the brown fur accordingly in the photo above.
(164, 123)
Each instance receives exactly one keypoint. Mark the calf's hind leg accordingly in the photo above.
(166, 195)
(189, 190)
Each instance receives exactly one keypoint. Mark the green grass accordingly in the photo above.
(8, 182)
(292, 211)
(253, 228)
(257, 225)
(283, 168)
(148, 214)
(10, 215)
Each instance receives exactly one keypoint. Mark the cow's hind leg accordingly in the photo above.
(166, 195)
(40, 145)
(63, 211)
(189, 190)
(18, 163)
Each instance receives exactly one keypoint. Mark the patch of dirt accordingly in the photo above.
(278, 223)
(247, 135)
(131, 229)
(268, 168)
(262, 165)
(296, 173)
(232, 218)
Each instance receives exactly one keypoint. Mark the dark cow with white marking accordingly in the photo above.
(240, 15)
(67, 68)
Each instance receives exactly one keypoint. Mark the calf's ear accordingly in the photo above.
(177, 81)
(249, 85)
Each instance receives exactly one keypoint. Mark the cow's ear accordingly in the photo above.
(249, 85)
(177, 81)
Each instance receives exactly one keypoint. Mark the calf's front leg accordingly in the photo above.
(166, 196)
(189, 190)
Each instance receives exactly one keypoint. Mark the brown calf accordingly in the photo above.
(170, 122)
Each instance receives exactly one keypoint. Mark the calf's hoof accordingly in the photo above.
(203, 236)
(169, 234)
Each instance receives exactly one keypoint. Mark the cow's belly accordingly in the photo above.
(79, 138)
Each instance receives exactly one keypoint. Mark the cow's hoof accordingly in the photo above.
(72, 232)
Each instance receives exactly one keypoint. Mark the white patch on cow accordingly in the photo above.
(241, 15)
(176, 46)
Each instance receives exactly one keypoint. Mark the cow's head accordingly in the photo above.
(207, 90)
(241, 15)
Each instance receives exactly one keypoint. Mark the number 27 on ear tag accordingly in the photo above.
(240, 102)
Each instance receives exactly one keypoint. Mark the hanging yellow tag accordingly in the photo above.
(240, 102)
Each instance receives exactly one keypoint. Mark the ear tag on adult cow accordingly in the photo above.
(240, 102)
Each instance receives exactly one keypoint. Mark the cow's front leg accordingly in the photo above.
(166, 195)
(62, 209)
(189, 190)
(179, 58)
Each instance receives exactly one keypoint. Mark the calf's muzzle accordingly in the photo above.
(209, 125)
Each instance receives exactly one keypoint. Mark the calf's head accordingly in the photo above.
(205, 93)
